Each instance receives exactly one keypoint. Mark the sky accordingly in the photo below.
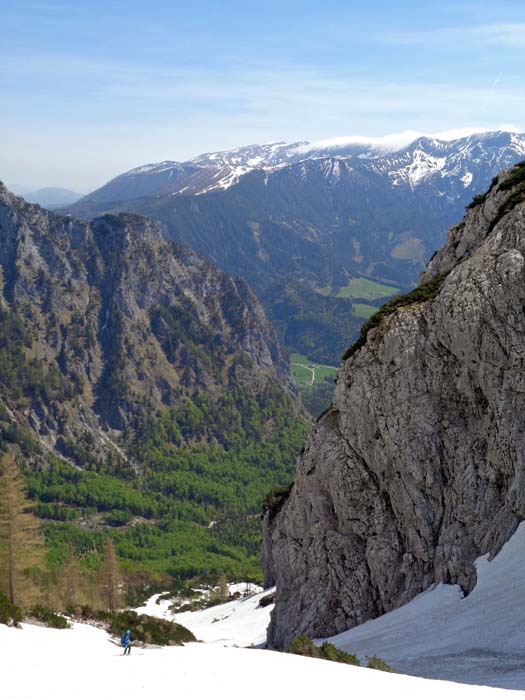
(92, 88)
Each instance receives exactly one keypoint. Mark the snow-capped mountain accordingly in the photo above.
(462, 161)
(254, 156)
(319, 216)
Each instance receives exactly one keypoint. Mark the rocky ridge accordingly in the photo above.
(105, 323)
(418, 466)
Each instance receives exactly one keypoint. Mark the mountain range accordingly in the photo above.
(322, 234)
(49, 197)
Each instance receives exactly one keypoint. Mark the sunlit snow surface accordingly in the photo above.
(79, 664)
(240, 623)
(479, 639)
(441, 634)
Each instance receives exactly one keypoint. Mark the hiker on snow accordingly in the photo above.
(126, 642)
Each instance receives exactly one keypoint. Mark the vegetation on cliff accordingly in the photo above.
(425, 292)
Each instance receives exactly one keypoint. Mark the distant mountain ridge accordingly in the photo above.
(49, 197)
(423, 158)
(300, 220)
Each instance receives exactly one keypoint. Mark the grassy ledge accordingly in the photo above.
(275, 499)
(514, 181)
(424, 292)
(515, 177)
(304, 646)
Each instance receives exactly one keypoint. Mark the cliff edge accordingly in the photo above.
(417, 468)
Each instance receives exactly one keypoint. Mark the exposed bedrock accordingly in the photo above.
(418, 467)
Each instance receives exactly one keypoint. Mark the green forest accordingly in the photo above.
(177, 510)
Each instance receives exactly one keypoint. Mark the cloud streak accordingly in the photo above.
(460, 38)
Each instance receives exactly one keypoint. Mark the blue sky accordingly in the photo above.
(90, 88)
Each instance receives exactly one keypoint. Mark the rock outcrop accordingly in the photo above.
(418, 466)
(107, 323)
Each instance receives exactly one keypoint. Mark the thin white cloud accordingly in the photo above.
(392, 142)
(460, 38)
(510, 34)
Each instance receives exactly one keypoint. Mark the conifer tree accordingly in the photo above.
(110, 578)
(21, 546)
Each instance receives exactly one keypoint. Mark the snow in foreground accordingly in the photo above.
(39, 663)
(441, 634)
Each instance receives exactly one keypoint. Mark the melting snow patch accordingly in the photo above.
(422, 166)
(240, 622)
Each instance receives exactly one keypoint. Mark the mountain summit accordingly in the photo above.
(425, 157)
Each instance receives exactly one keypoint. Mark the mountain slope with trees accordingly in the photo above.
(144, 391)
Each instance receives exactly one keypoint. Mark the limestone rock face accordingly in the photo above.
(116, 323)
(418, 466)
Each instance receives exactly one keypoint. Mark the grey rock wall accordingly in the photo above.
(418, 467)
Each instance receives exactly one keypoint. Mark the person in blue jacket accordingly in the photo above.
(126, 642)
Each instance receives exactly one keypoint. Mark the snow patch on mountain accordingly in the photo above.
(229, 176)
(155, 167)
(422, 166)
(240, 622)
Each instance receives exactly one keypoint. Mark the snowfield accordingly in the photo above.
(80, 664)
(441, 634)
(240, 623)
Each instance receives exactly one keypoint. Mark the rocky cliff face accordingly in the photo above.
(418, 466)
(105, 323)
